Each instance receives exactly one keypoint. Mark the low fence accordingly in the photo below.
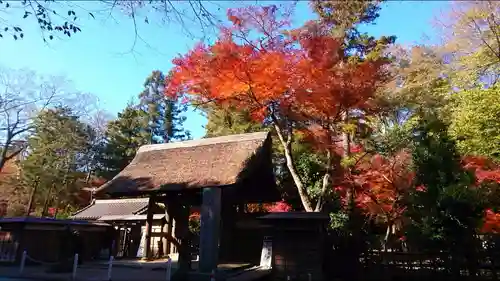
(435, 266)
(73, 261)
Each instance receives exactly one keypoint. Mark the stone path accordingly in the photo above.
(86, 273)
(123, 270)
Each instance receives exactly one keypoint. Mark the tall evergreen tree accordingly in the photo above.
(156, 119)
(164, 113)
(444, 212)
(123, 137)
(228, 121)
(57, 157)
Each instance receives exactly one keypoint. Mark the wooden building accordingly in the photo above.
(298, 245)
(128, 217)
(26, 233)
(219, 174)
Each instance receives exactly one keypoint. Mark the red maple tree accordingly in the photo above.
(295, 79)
(382, 183)
(380, 187)
(491, 223)
(279, 207)
(487, 172)
(484, 169)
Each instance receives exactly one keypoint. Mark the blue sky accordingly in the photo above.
(99, 61)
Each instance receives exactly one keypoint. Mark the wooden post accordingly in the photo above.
(169, 220)
(180, 213)
(168, 230)
(164, 240)
(228, 241)
(210, 229)
(171, 225)
(149, 225)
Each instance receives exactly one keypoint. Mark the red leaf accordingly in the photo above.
(279, 207)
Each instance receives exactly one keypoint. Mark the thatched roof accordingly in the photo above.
(227, 161)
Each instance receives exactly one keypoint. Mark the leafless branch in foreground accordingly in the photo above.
(23, 94)
(59, 19)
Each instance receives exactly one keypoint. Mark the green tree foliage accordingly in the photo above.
(311, 168)
(57, 157)
(345, 17)
(155, 119)
(475, 122)
(419, 83)
(426, 111)
(123, 137)
(447, 213)
(164, 114)
(228, 121)
(424, 76)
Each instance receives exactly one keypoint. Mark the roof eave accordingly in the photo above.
(84, 208)
(104, 189)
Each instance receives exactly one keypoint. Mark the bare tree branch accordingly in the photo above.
(23, 94)
(55, 18)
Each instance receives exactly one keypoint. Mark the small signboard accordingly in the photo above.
(266, 256)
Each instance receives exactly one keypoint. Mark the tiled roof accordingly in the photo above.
(131, 217)
(112, 207)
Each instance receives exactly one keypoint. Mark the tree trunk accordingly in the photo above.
(33, 192)
(46, 203)
(2, 163)
(32, 198)
(346, 143)
(387, 235)
(4, 157)
(287, 146)
(304, 197)
(325, 183)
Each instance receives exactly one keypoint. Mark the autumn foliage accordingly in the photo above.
(382, 184)
(303, 82)
(484, 169)
(279, 207)
(280, 75)
(491, 222)
(486, 172)
(300, 72)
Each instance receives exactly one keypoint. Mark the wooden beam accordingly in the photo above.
(170, 224)
(163, 242)
(180, 238)
(210, 224)
(149, 225)
(189, 197)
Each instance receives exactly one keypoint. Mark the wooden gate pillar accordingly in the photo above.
(149, 226)
(210, 219)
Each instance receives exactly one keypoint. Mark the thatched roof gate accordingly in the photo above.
(236, 162)
(223, 170)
